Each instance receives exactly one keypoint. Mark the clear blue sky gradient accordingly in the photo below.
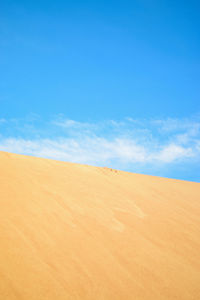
(100, 60)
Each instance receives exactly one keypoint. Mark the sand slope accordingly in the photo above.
(70, 231)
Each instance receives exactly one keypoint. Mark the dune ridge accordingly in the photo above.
(71, 231)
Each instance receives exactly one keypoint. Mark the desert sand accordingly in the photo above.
(71, 231)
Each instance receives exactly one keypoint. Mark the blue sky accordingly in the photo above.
(111, 83)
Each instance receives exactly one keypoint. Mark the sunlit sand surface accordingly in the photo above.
(70, 231)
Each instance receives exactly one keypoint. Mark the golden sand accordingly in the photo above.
(71, 231)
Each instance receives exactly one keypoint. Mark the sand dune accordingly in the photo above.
(70, 231)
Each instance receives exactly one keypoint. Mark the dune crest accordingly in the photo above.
(71, 231)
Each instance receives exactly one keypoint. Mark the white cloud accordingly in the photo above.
(172, 125)
(96, 151)
(173, 152)
(70, 123)
(111, 143)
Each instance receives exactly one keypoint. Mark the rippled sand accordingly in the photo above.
(70, 231)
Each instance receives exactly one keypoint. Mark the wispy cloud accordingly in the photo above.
(119, 144)
(2, 120)
(173, 152)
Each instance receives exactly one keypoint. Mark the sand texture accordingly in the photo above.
(70, 231)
